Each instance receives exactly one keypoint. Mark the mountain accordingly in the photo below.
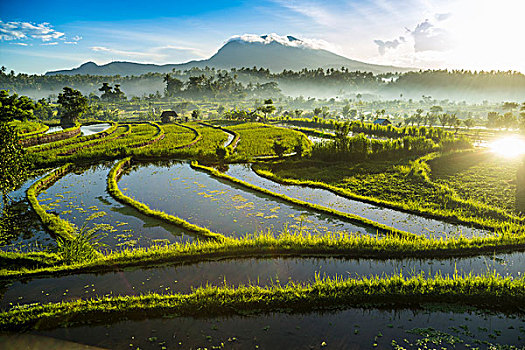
(268, 51)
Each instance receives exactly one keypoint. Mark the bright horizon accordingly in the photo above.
(37, 37)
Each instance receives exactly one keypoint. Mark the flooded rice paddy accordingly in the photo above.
(167, 279)
(53, 129)
(353, 328)
(222, 206)
(87, 130)
(390, 217)
(82, 195)
(229, 140)
(24, 229)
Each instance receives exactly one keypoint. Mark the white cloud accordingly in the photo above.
(428, 37)
(10, 31)
(382, 46)
(50, 44)
(72, 41)
(442, 16)
(283, 40)
(19, 44)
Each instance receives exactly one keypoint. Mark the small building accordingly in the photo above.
(169, 116)
(382, 121)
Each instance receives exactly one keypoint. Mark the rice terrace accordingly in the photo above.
(274, 195)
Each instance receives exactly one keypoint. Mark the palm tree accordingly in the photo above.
(444, 118)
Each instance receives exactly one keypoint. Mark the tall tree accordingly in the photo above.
(444, 119)
(72, 105)
(173, 85)
(267, 107)
(13, 165)
(14, 107)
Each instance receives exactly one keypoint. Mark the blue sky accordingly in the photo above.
(38, 36)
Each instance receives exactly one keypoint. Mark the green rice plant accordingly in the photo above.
(177, 137)
(53, 223)
(52, 137)
(279, 244)
(463, 172)
(28, 128)
(236, 136)
(75, 140)
(486, 292)
(257, 139)
(82, 247)
(127, 140)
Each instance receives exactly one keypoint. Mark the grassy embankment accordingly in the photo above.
(38, 139)
(124, 141)
(487, 292)
(400, 184)
(28, 128)
(53, 223)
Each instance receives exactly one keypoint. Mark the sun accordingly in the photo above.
(508, 147)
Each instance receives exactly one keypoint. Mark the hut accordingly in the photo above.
(169, 116)
(382, 121)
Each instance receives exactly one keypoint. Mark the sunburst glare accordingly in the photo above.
(508, 147)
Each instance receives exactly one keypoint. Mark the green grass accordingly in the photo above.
(257, 139)
(74, 140)
(488, 292)
(53, 223)
(123, 142)
(401, 184)
(269, 244)
(480, 176)
(28, 128)
(38, 139)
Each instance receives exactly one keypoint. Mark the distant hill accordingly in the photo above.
(268, 51)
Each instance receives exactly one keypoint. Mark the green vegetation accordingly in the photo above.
(488, 291)
(257, 139)
(72, 105)
(39, 139)
(464, 172)
(428, 170)
(74, 140)
(58, 227)
(269, 244)
(28, 128)
(401, 184)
